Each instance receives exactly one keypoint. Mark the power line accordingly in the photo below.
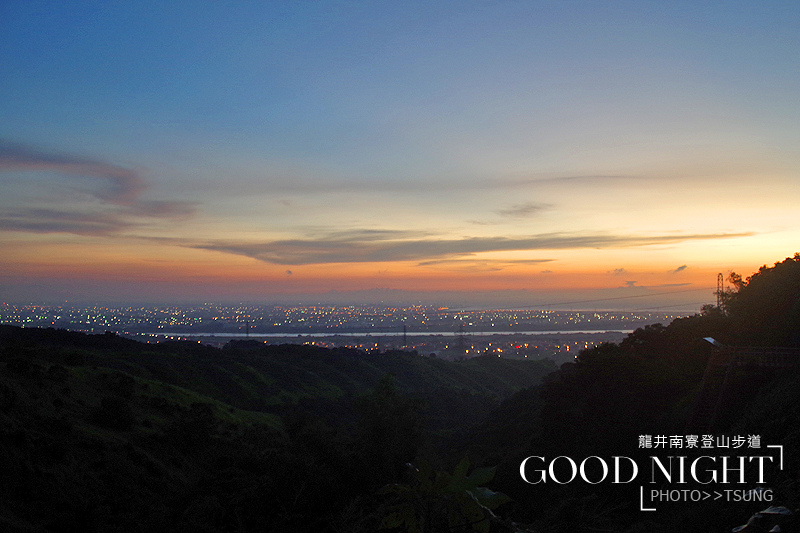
(666, 306)
(616, 298)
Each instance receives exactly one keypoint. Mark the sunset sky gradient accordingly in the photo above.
(467, 153)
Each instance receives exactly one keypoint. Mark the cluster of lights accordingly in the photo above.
(155, 323)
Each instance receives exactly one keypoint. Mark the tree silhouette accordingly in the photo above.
(765, 308)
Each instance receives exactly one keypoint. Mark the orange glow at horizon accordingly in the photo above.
(150, 262)
(597, 157)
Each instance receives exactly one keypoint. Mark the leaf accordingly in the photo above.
(391, 521)
(479, 476)
(489, 498)
(396, 489)
(425, 476)
(458, 482)
(461, 468)
(405, 518)
(467, 514)
(443, 482)
(482, 527)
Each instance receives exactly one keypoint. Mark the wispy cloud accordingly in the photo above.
(340, 248)
(570, 180)
(169, 209)
(523, 210)
(100, 222)
(300, 180)
(118, 189)
(483, 264)
(679, 269)
(366, 234)
(54, 221)
(118, 185)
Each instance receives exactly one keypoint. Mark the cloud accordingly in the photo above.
(569, 180)
(495, 264)
(54, 221)
(468, 266)
(119, 192)
(618, 271)
(630, 283)
(523, 210)
(119, 185)
(485, 222)
(102, 222)
(367, 246)
(161, 209)
(367, 235)
(296, 178)
(679, 269)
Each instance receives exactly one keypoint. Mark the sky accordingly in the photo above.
(574, 154)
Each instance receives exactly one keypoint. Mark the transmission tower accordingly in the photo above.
(720, 290)
(461, 342)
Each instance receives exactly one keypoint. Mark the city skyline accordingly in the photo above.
(505, 154)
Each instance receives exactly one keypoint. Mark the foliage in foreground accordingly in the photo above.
(100, 433)
(440, 501)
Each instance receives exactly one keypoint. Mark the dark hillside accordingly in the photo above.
(101, 433)
(108, 434)
(764, 309)
(649, 384)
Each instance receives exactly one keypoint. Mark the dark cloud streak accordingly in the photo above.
(496, 262)
(54, 221)
(302, 184)
(119, 193)
(523, 210)
(122, 185)
(354, 250)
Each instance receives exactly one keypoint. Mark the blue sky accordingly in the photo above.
(544, 148)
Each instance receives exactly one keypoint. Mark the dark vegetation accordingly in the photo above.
(648, 384)
(100, 433)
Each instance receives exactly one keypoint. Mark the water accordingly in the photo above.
(391, 333)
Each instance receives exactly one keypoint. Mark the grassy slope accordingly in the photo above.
(104, 432)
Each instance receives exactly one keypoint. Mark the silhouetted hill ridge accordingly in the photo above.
(648, 384)
(110, 434)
